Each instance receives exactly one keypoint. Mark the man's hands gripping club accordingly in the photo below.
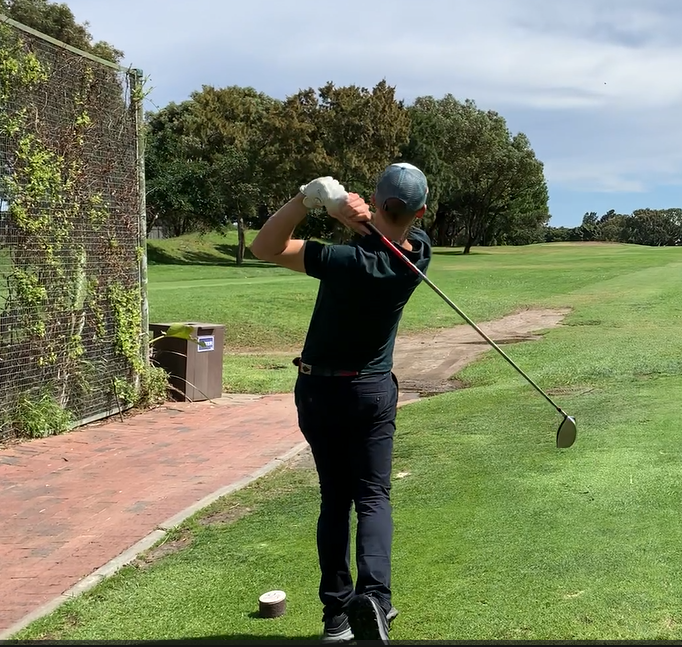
(348, 208)
(275, 242)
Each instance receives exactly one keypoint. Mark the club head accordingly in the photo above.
(565, 434)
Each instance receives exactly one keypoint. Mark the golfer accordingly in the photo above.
(346, 393)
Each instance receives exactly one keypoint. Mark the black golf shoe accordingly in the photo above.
(367, 619)
(337, 629)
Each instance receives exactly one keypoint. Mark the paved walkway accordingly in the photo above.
(69, 504)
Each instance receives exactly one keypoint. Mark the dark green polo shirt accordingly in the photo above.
(363, 290)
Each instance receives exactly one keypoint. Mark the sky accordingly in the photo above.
(595, 84)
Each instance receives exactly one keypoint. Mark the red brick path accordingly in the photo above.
(71, 503)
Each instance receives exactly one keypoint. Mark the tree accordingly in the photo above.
(204, 160)
(516, 196)
(176, 177)
(521, 228)
(228, 126)
(655, 227)
(293, 151)
(433, 146)
(251, 153)
(484, 179)
(590, 229)
(57, 20)
(560, 234)
(349, 132)
(612, 226)
(362, 131)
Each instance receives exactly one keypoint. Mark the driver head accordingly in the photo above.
(566, 433)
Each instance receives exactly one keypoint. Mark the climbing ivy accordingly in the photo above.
(127, 320)
(58, 296)
(18, 68)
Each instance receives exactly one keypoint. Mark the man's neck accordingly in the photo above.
(395, 233)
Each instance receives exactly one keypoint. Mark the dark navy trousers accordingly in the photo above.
(349, 423)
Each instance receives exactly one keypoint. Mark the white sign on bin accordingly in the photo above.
(206, 343)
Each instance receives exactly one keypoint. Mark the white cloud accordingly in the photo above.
(595, 85)
(594, 177)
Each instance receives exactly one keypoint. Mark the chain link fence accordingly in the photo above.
(72, 263)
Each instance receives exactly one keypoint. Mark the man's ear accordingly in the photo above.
(420, 214)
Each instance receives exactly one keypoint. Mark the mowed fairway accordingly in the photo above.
(498, 534)
(266, 309)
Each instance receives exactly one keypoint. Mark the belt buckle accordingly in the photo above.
(306, 369)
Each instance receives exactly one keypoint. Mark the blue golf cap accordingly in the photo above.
(403, 182)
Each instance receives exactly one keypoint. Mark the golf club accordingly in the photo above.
(566, 433)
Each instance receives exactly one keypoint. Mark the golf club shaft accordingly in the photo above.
(445, 298)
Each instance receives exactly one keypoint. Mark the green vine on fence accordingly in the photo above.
(49, 269)
(18, 68)
(125, 306)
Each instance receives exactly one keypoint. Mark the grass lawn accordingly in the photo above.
(266, 310)
(498, 534)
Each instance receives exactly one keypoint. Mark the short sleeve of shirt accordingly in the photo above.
(323, 261)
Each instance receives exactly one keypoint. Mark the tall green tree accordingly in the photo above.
(612, 226)
(203, 160)
(433, 146)
(484, 178)
(362, 130)
(293, 151)
(228, 126)
(57, 20)
(177, 177)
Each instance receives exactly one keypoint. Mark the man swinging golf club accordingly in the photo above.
(346, 393)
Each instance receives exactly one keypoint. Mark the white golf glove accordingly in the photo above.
(323, 192)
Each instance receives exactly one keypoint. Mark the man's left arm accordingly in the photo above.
(274, 242)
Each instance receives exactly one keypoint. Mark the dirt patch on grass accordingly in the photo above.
(225, 517)
(169, 546)
(424, 363)
(670, 624)
(302, 461)
(282, 353)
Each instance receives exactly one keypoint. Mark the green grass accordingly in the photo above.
(498, 534)
(266, 310)
(260, 373)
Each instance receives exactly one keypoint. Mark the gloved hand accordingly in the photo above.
(323, 192)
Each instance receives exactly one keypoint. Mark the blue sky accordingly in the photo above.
(595, 84)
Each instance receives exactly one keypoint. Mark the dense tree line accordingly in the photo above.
(654, 227)
(237, 154)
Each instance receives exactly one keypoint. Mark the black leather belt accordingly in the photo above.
(307, 369)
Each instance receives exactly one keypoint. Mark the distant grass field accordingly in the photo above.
(498, 534)
(266, 310)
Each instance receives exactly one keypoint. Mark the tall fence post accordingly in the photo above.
(137, 96)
